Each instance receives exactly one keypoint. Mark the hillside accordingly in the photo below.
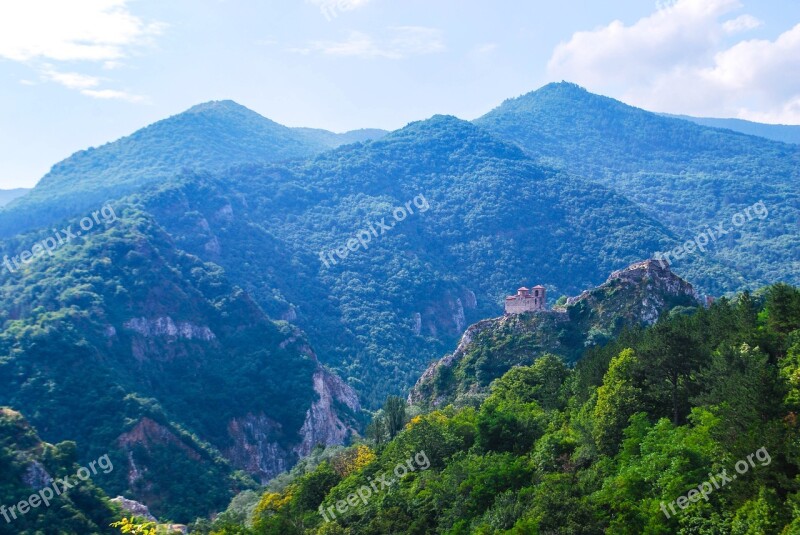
(487, 220)
(685, 426)
(211, 136)
(776, 132)
(8, 195)
(689, 176)
(131, 347)
(635, 296)
(28, 465)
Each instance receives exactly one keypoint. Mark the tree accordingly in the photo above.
(671, 354)
(395, 413)
(617, 400)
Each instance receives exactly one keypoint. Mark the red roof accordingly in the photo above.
(538, 287)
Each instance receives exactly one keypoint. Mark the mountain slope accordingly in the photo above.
(131, 347)
(8, 195)
(686, 426)
(210, 136)
(776, 132)
(637, 295)
(28, 465)
(689, 176)
(485, 219)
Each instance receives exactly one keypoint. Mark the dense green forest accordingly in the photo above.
(211, 136)
(199, 337)
(26, 465)
(130, 347)
(492, 221)
(688, 426)
(688, 176)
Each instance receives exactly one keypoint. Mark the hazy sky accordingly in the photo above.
(79, 73)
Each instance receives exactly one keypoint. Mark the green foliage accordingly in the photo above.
(691, 177)
(595, 448)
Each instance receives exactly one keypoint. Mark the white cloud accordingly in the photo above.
(112, 94)
(91, 30)
(680, 59)
(403, 42)
(41, 33)
(332, 8)
(742, 24)
(71, 80)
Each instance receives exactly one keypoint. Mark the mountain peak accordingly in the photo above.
(219, 106)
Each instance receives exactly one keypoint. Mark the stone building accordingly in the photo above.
(526, 300)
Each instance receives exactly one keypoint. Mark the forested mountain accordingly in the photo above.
(211, 136)
(8, 195)
(132, 348)
(203, 331)
(687, 426)
(487, 220)
(689, 176)
(776, 132)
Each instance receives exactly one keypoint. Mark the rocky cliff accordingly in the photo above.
(636, 295)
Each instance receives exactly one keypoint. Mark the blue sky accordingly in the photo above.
(80, 73)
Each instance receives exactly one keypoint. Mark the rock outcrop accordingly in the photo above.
(636, 295)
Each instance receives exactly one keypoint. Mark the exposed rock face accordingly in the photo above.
(255, 447)
(651, 280)
(148, 433)
(323, 424)
(458, 315)
(166, 326)
(417, 323)
(36, 476)
(638, 294)
(134, 508)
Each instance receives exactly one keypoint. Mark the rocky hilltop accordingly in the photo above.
(636, 295)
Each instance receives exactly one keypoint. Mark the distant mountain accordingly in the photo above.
(690, 177)
(635, 296)
(776, 132)
(130, 347)
(211, 137)
(333, 140)
(8, 195)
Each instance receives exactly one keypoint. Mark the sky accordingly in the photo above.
(80, 73)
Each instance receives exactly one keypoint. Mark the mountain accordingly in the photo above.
(8, 195)
(479, 218)
(135, 349)
(776, 132)
(332, 140)
(211, 136)
(693, 178)
(637, 295)
(29, 466)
